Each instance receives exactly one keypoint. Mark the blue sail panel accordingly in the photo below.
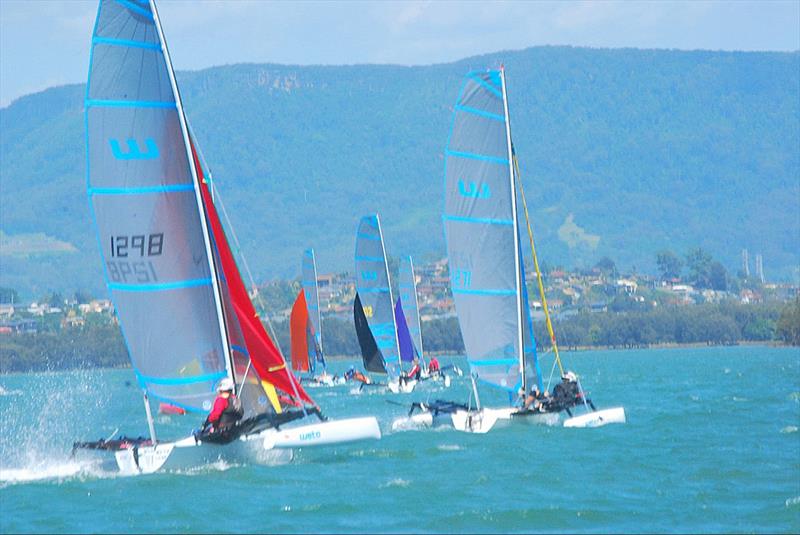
(407, 350)
(407, 287)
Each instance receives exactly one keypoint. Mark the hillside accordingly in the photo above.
(624, 153)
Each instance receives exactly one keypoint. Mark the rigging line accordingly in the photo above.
(536, 263)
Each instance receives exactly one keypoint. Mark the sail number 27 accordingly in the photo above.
(138, 246)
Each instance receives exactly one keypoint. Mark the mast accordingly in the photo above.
(516, 232)
(201, 210)
(416, 306)
(391, 298)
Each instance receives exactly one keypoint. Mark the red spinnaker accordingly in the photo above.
(267, 360)
(298, 326)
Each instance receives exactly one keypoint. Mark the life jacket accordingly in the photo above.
(232, 413)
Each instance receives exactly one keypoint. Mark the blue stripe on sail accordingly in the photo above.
(369, 258)
(126, 42)
(368, 237)
(485, 220)
(192, 283)
(210, 377)
(481, 113)
(240, 349)
(373, 290)
(141, 191)
(405, 285)
(473, 156)
(488, 291)
(135, 8)
(493, 362)
(90, 103)
(496, 92)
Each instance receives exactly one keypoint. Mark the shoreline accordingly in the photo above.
(663, 345)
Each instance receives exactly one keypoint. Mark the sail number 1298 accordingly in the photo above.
(138, 246)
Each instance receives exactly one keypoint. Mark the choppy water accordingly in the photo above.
(711, 445)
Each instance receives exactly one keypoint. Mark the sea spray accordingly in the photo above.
(40, 425)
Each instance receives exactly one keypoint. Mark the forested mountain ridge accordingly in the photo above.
(624, 153)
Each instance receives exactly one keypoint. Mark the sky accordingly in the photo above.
(46, 42)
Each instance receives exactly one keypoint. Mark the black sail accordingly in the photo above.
(373, 358)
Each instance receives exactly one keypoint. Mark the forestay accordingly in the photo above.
(481, 232)
(373, 287)
(407, 288)
(140, 181)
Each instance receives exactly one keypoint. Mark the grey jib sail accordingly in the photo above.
(372, 285)
(147, 211)
(311, 291)
(480, 228)
(407, 288)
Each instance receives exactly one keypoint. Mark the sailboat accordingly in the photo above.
(487, 272)
(409, 325)
(305, 325)
(183, 308)
(373, 308)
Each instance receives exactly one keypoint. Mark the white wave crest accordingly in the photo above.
(789, 429)
(53, 470)
(396, 482)
(4, 392)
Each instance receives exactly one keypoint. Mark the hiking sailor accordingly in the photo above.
(227, 409)
(535, 400)
(414, 373)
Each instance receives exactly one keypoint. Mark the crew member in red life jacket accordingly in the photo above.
(433, 366)
(227, 409)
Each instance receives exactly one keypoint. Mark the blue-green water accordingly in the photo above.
(711, 445)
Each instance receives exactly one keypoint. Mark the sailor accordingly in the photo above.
(535, 399)
(433, 366)
(414, 372)
(566, 394)
(353, 375)
(227, 409)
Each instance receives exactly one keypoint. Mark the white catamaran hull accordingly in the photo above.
(396, 386)
(615, 415)
(270, 446)
(477, 421)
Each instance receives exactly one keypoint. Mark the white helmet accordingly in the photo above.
(226, 385)
(570, 376)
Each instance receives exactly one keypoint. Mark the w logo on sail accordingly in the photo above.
(473, 191)
(369, 275)
(134, 152)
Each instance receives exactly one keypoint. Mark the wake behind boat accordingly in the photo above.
(487, 273)
(183, 308)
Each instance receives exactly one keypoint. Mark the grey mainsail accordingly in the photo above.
(481, 231)
(148, 212)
